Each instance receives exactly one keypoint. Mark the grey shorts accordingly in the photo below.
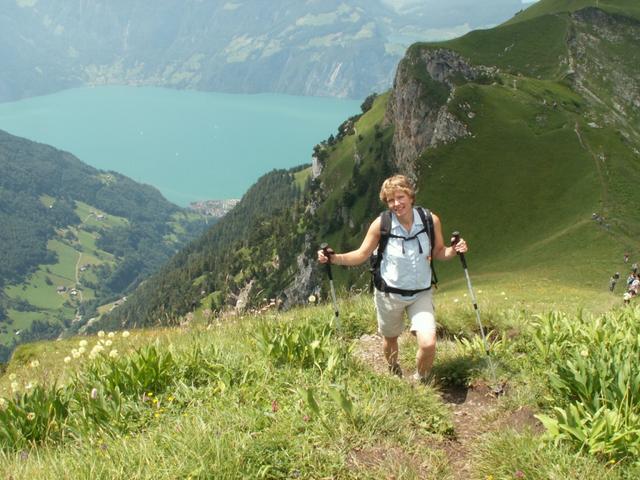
(390, 308)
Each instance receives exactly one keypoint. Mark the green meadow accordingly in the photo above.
(295, 395)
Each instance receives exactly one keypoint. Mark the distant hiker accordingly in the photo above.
(634, 267)
(626, 258)
(630, 279)
(634, 288)
(613, 280)
(405, 272)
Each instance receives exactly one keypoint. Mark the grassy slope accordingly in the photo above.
(527, 187)
(47, 303)
(532, 49)
(629, 8)
(522, 189)
(257, 421)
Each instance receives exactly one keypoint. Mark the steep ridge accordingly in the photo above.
(515, 135)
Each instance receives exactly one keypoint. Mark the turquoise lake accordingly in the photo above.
(190, 145)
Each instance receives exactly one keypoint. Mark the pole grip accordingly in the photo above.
(328, 251)
(455, 238)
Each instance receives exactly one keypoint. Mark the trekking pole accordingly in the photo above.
(327, 250)
(455, 238)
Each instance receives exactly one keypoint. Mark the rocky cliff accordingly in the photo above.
(417, 109)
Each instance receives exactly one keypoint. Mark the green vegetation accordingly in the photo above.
(252, 241)
(629, 8)
(164, 403)
(530, 48)
(68, 226)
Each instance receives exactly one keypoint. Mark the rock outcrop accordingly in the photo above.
(306, 280)
(423, 85)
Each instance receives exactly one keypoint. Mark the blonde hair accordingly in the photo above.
(395, 183)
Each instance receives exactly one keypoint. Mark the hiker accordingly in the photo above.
(630, 279)
(634, 288)
(626, 258)
(634, 267)
(613, 280)
(405, 270)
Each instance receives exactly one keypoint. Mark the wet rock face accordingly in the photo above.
(418, 104)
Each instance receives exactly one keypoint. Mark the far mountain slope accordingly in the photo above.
(74, 237)
(329, 48)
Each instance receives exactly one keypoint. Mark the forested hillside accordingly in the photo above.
(67, 227)
(515, 135)
(255, 244)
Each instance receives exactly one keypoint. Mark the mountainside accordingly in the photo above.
(514, 135)
(329, 48)
(73, 238)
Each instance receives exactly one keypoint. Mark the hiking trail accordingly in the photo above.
(475, 411)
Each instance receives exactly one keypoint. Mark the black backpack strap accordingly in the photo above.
(376, 258)
(385, 232)
(427, 221)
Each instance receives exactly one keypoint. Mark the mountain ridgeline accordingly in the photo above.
(329, 48)
(514, 135)
(74, 238)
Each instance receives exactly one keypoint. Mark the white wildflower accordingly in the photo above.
(67, 359)
(12, 376)
(101, 333)
(113, 353)
(31, 416)
(82, 343)
(94, 393)
(14, 386)
(81, 350)
(312, 299)
(108, 343)
(35, 364)
(125, 334)
(111, 335)
(456, 300)
(3, 404)
(29, 386)
(502, 293)
(584, 353)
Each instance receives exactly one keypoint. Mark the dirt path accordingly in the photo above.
(474, 411)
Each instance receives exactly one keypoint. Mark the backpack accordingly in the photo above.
(385, 233)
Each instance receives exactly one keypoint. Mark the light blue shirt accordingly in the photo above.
(409, 270)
